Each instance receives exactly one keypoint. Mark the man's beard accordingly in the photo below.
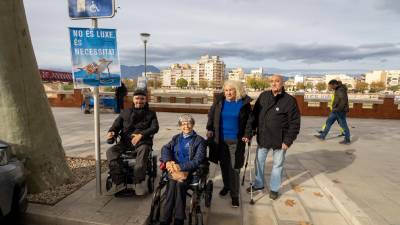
(139, 106)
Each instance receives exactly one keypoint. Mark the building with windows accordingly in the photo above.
(236, 74)
(210, 69)
(349, 81)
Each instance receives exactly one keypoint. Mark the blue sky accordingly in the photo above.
(301, 34)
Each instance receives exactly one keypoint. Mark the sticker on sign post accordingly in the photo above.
(94, 57)
(91, 9)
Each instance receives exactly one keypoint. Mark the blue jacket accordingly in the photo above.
(197, 152)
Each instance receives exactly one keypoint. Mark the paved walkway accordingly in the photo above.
(303, 199)
(325, 181)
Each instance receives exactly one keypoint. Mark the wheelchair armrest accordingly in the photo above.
(203, 169)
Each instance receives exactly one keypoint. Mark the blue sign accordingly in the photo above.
(84, 9)
(94, 56)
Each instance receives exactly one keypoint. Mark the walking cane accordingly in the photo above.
(247, 161)
(251, 179)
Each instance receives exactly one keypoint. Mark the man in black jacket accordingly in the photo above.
(277, 123)
(136, 128)
(340, 107)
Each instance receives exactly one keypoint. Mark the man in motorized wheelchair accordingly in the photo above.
(182, 156)
(136, 128)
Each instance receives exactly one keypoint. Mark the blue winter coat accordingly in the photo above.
(197, 152)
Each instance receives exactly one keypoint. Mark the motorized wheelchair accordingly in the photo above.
(127, 161)
(200, 188)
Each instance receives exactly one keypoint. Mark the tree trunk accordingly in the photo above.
(26, 120)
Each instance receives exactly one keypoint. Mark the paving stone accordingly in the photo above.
(315, 199)
(258, 214)
(327, 218)
(300, 177)
(286, 212)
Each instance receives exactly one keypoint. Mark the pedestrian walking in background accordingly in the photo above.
(340, 107)
(120, 93)
(341, 130)
(87, 94)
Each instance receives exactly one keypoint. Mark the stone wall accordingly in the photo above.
(379, 107)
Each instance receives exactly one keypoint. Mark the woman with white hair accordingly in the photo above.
(230, 126)
(182, 156)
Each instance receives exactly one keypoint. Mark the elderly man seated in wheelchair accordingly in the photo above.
(182, 157)
(136, 128)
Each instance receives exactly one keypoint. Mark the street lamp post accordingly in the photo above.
(145, 37)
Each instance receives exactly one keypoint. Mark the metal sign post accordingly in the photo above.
(97, 130)
(95, 60)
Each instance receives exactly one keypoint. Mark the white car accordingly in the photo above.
(13, 190)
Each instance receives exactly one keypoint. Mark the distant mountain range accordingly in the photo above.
(132, 72)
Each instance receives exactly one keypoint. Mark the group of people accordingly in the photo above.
(275, 120)
(232, 122)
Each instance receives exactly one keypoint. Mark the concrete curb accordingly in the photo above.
(350, 210)
(44, 218)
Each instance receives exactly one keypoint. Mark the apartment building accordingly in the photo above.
(210, 69)
(388, 77)
(344, 78)
(236, 74)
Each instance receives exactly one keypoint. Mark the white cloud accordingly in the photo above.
(286, 33)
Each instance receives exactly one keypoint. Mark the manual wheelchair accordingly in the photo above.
(200, 188)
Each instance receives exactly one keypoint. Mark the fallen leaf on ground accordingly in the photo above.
(304, 223)
(318, 194)
(297, 188)
(290, 202)
(336, 181)
(168, 128)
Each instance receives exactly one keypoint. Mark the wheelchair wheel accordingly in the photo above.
(192, 209)
(150, 184)
(154, 166)
(196, 217)
(108, 183)
(158, 199)
(199, 218)
(208, 193)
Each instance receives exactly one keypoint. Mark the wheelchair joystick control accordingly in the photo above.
(111, 141)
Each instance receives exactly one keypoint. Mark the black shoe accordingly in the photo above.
(273, 195)
(87, 111)
(341, 135)
(248, 190)
(224, 191)
(178, 222)
(319, 137)
(345, 142)
(235, 202)
(320, 131)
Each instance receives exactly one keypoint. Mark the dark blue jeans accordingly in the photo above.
(341, 118)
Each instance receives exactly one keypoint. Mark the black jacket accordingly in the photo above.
(121, 91)
(276, 119)
(213, 124)
(136, 121)
(197, 152)
(340, 101)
